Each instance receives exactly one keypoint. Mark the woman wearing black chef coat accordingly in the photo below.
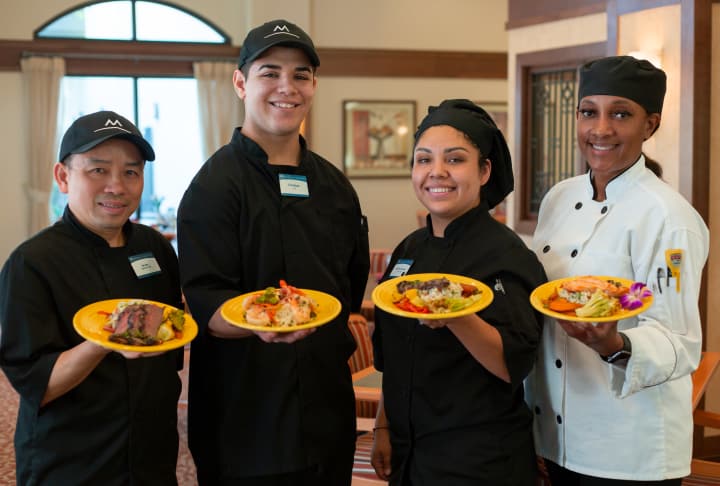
(612, 400)
(453, 411)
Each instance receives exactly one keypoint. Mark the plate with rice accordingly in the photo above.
(281, 309)
(432, 296)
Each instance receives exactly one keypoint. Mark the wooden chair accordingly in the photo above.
(362, 358)
(379, 259)
(363, 472)
(704, 471)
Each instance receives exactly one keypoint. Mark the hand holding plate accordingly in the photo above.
(136, 355)
(433, 323)
(284, 337)
(599, 336)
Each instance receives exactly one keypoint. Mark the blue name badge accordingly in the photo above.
(144, 265)
(294, 185)
(401, 268)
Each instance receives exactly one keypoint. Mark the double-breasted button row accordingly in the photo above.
(558, 418)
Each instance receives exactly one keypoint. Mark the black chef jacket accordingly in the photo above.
(256, 408)
(452, 421)
(119, 426)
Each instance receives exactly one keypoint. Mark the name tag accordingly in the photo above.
(294, 185)
(401, 268)
(144, 265)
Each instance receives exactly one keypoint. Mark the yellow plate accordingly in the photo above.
(90, 320)
(540, 295)
(382, 296)
(328, 309)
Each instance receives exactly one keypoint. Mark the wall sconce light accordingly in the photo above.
(654, 57)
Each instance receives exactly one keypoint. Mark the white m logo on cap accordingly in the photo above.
(281, 30)
(111, 124)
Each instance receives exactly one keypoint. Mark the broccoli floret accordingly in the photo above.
(599, 305)
(268, 297)
(176, 318)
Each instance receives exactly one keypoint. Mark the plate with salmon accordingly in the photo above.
(137, 325)
(589, 298)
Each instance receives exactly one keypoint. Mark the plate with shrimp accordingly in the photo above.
(281, 309)
(589, 298)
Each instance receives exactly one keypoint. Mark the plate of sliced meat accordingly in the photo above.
(135, 325)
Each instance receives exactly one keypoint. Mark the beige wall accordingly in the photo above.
(664, 40)
(453, 25)
(13, 133)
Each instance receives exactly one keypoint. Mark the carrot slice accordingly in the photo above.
(562, 305)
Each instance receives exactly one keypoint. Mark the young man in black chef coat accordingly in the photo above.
(270, 408)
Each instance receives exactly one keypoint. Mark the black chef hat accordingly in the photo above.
(635, 79)
(469, 118)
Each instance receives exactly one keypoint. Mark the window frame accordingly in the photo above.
(526, 65)
(226, 38)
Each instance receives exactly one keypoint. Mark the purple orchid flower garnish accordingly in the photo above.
(634, 298)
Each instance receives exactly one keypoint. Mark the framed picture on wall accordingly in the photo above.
(377, 138)
(498, 111)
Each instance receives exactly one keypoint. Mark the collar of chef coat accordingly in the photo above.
(619, 184)
(92, 238)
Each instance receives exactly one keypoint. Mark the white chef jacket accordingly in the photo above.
(630, 422)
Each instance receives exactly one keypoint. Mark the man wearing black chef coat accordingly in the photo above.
(88, 415)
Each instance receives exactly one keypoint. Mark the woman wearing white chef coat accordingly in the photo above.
(612, 401)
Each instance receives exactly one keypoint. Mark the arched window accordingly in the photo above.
(132, 20)
(165, 108)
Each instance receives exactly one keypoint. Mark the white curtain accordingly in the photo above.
(41, 78)
(220, 108)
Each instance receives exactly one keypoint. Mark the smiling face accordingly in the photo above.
(278, 92)
(610, 133)
(447, 175)
(104, 186)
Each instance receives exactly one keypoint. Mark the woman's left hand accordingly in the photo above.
(434, 323)
(440, 323)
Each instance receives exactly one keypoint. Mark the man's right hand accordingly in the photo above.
(381, 453)
(284, 337)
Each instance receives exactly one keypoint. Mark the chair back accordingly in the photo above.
(362, 358)
(379, 259)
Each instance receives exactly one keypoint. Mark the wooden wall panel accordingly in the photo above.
(522, 13)
(161, 59)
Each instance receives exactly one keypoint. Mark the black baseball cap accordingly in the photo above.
(91, 130)
(275, 33)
